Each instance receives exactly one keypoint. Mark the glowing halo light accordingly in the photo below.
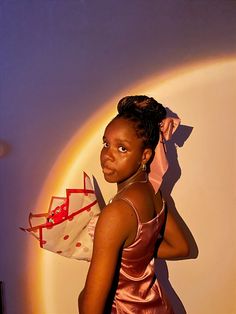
(194, 92)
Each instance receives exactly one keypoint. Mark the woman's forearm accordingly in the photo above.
(168, 251)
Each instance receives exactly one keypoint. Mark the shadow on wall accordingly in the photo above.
(171, 177)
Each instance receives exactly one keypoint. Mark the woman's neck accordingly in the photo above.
(139, 176)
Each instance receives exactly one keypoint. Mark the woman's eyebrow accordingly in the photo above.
(124, 141)
(119, 140)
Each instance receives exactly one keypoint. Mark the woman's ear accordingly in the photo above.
(147, 154)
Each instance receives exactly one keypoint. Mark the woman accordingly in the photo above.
(121, 276)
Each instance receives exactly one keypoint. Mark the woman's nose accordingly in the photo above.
(108, 154)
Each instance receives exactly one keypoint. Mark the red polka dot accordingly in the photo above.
(49, 227)
(78, 244)
(59, 252)
(44, 242)
(71, 218)
(66, 237)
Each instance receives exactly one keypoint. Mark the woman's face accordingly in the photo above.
(122, 152)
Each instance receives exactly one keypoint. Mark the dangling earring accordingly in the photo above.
(144, 167)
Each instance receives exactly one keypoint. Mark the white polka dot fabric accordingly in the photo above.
(68, 227)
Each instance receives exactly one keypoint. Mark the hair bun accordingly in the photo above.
(143, 107)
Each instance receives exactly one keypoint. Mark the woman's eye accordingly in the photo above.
(105, 144)
(122, 149)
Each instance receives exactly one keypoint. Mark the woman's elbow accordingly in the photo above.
(180, 249)
(184, 249)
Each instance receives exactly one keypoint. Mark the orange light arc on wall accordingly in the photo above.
(82, 153)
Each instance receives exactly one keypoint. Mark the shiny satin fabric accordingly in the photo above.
(138, 290)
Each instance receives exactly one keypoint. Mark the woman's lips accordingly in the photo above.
(106, 170)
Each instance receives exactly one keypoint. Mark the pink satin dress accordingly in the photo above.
(138, 290)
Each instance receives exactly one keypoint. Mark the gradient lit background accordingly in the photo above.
(64, 66)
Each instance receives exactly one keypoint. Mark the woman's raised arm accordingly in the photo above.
(174, 243)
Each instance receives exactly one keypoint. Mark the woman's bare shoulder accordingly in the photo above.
(118, 213)
(144, 199)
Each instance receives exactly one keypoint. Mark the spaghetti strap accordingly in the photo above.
(139, 226)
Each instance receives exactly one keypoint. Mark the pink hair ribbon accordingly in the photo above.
(159, 164)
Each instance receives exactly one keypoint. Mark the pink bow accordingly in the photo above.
(159, 164)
